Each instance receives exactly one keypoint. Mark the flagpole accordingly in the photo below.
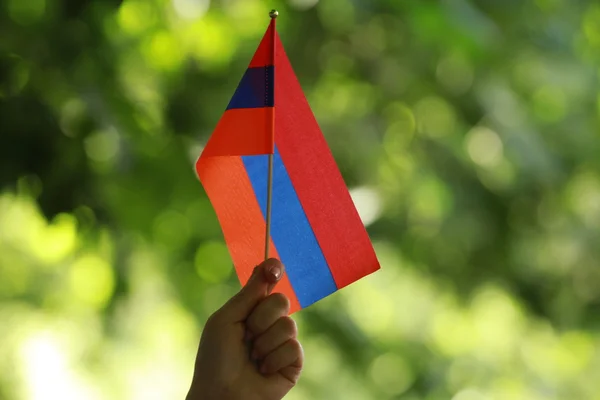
(269, 194)
(273, 14)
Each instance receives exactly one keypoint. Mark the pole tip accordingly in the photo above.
(273, 14)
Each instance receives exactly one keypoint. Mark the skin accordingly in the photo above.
(249, 348)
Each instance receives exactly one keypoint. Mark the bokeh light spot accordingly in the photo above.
(21, 223)
(591, 24)
(16, 75)
(455, 73)
(163, 51)
(435, 117)
(578, 351)
(401, 127)
(452, 332)
(245, 16)
(209, 40)
(391, 374)
(367, 203)
(47, 371)
(325, 360)
(92, 281)
(374, 322)
(498, 324)
(57, 240)
(583, 194)
(430, 200)
(102, 146)
(26, 12)
(72, 112)
(136, 16)
(191, 9)
(484, 147)
(213, 263)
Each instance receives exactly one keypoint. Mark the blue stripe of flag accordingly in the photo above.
(255, 90)
(291, 232)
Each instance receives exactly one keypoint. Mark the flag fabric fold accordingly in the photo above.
(315, 228)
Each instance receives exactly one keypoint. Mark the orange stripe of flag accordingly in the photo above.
(229, 189)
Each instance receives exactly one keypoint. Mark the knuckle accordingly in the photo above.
(297, 348)
(281, 301)
(289, 325)
(268, 312)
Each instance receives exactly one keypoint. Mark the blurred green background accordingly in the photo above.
(467, 131)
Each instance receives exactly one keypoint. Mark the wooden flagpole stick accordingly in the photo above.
(269, 195)
(273, 14)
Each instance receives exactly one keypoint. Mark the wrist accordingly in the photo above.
(200, 391)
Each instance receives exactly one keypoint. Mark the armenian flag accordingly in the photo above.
(315, 229)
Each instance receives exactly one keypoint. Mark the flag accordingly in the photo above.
(315, 229)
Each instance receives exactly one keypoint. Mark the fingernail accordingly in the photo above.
(275, 270)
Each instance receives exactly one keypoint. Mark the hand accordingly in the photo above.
(248, 349)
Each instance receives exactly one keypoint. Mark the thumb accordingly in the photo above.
(261, 283)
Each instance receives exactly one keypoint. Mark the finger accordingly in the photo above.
(261, 283)
(289, 354)
(280, 332)
(266, 313)
(291, 373)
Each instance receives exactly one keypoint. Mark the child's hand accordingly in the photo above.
(253, 325)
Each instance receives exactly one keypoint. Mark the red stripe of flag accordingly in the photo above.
(318, 181)
(264, 53)
(242, 131)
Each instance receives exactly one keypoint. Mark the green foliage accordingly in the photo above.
(468, 132)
